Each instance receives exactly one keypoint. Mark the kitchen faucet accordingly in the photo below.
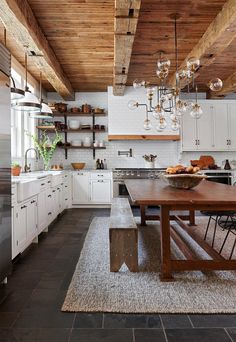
(27, 167)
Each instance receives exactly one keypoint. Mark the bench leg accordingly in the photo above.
(123, 249)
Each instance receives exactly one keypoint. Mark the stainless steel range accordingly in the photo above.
(120, 174)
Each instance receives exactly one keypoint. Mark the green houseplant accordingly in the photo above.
(15, 169)
(46, 147)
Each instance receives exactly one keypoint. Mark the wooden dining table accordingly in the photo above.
(208, 196)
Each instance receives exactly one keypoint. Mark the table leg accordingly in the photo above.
(165, 245)
(192, 218)
(143, 215)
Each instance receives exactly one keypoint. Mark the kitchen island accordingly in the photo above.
(206, 196)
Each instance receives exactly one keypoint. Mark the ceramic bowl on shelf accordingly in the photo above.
(74, 124)
(78, 166)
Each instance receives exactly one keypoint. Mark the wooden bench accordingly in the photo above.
(123, 235)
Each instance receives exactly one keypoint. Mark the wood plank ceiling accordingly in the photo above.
(81, 34)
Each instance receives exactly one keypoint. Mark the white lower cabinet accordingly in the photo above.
(24, 225)
(101, 191)
(42, 211)
(80, 186)
(92, 188)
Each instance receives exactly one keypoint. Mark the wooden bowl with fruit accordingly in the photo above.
(182, 177)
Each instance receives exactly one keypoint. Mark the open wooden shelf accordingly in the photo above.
(144, 137)
(69, 130)
(58, 114)
(82, 147)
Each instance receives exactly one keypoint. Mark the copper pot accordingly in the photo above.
(61, 107)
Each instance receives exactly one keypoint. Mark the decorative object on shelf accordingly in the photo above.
(15, 169)
(75, 110)
(87, 142)
(86, 108)
(61, 107)
(45, 110)
(78, 166)
(100, 165)
(29, 103)
(46, 147)
(168, 98)
(150, 160)
(98, 110)
(73, 124)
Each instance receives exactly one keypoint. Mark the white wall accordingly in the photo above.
(167, 151)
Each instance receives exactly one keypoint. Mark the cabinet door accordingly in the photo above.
(101, 191)
(50, 211)
(189, 134)
(221, 128)
(81, 188)
(232, 126)
(32, 220)
(42, 211)
(205, 128)
(19, 229)
(54, 203)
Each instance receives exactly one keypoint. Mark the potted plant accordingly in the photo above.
(46, 147)
(15, 169)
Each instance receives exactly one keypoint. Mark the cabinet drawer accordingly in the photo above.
(100, 175)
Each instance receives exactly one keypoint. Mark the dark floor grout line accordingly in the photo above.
(227, 333)
(190, 321)
(163, 329)
(133, 334)
(71, 329)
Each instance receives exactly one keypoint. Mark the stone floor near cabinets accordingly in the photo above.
(30, 304)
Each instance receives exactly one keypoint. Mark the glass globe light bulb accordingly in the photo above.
(158, 111)
(162, 73)
(161, 125)
(147, 124)
(137, 84)
(150, 91)
(163, 63)
(175, 126)
(193, 64)
(181, 106)
(182, 74)
(132, 104)
(216, 84)
(196, 112)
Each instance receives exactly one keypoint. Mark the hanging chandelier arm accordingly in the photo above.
(176, 54)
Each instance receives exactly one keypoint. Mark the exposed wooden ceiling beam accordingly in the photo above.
(126, 19)
(20, 22)
(218, 36)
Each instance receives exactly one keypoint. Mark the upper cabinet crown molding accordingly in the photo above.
(20, 22)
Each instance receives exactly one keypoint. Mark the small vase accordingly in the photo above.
(46, 165)
(149, 164)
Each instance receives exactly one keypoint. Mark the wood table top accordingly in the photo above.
(153, 192)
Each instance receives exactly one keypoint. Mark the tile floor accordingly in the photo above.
(30, 303)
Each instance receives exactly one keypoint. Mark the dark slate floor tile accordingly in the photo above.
(88, 320)
(175, 321)
(213, 321)
(15, 300)
(44, 318)
(45, 299)
(149, 335)
(104, 335)
(52, 280)
(232, 333)
(25, 281)
(34, 335)
(131, 321)
(7, 319)
(197, 335)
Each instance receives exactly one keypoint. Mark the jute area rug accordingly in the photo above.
(95, 289)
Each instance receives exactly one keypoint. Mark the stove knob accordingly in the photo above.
(132, 173)
(127, 173)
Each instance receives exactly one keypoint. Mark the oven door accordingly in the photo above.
(223, 179)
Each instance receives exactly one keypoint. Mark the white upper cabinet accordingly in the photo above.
(214, 131)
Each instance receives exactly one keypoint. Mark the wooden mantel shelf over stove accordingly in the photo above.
(144, 137)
